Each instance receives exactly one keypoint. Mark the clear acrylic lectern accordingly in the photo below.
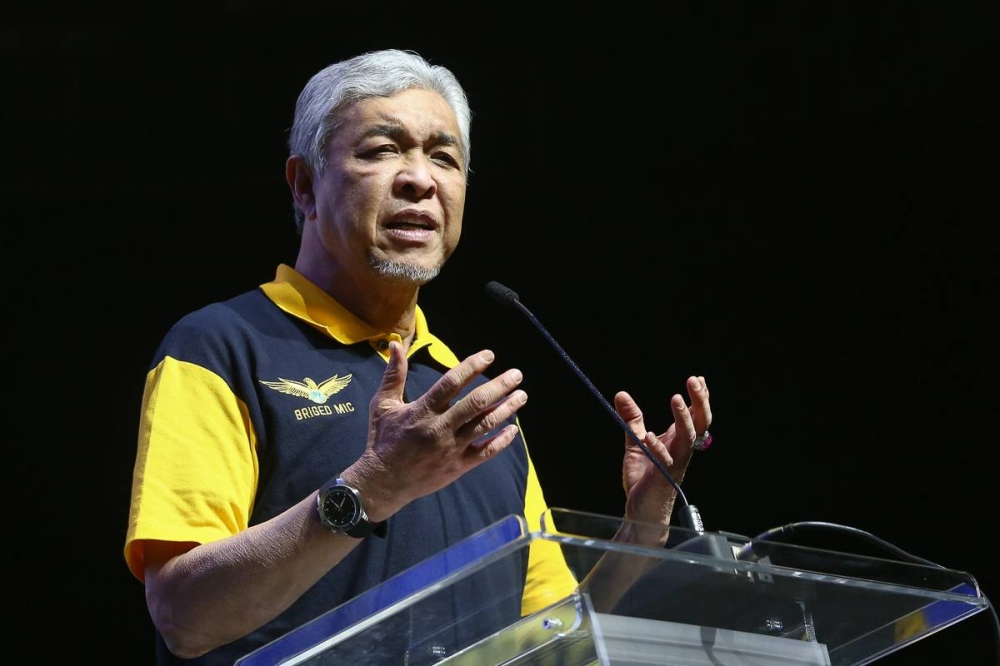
(711, 599)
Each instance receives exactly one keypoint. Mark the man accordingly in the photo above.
(306, 440)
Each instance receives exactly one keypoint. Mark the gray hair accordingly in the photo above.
(374, 74)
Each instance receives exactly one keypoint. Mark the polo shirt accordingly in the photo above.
(253, 403)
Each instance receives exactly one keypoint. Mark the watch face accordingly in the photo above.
(341, 509)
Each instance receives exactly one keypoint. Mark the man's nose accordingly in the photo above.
(415, 179)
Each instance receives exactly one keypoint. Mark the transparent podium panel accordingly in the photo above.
(643, 597)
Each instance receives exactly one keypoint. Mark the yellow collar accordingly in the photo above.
(299, 297)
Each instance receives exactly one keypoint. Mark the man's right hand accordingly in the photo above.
(416, 448)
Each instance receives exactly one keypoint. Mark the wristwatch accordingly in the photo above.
(341, 511)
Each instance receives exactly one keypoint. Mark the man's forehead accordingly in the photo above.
(415, 109)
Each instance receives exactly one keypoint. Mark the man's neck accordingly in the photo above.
(386, 304)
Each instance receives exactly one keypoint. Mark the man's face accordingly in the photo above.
(393, 191)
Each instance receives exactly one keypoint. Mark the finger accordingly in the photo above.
(484, 399)
(439, 396)
(683, 420)
(394, 378)
(482, 426)
(630, 413)
(701, 408)
(489, 446)
(658, 448)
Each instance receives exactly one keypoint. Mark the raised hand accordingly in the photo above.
(649, 496)
(415, 448)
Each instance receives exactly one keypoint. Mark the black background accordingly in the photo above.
(792, 199)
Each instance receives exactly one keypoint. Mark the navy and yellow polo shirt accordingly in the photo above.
(253, 403)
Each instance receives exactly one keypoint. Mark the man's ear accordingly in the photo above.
(300, 181)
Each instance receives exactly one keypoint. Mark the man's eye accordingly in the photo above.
(384, 149)
(446, 158)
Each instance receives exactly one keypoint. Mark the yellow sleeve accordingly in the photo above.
(196, 472)
(549, 577)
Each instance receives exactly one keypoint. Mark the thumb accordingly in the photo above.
(394, 377)
(627, 408)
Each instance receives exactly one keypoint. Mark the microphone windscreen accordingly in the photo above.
(501, 293)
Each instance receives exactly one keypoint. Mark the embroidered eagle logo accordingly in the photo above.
(307, 388)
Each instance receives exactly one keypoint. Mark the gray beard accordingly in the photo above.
(404, 272)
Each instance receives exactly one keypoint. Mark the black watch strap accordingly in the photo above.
(366, 527)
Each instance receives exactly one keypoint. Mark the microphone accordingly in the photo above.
(688, 513)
